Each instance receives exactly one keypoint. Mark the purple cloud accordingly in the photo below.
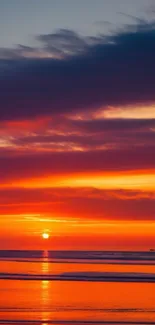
(114, 70)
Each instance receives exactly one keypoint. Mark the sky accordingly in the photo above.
(77, 124)
(21, 21)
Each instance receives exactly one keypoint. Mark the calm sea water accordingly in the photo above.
(42, 287)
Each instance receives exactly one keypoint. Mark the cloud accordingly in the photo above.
(86, 203)
(71, 133)
(77, 106)
(19, 166)
(78, 135)
(57, 195)
(22, 51)
(64, 42)
(114, 125)
(116, 70)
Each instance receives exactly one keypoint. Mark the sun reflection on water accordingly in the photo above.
(45, 289)
(45, 263)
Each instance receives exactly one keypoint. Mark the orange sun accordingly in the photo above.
(45, 235)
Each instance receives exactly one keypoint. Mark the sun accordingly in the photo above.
(45, 235)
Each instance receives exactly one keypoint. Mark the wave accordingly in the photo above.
(83, 276)
(77, 261)
(74, 322)
(92, 255)
(82, 309)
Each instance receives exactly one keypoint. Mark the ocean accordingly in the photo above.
(77, 287)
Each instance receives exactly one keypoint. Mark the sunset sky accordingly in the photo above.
(77, 124)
